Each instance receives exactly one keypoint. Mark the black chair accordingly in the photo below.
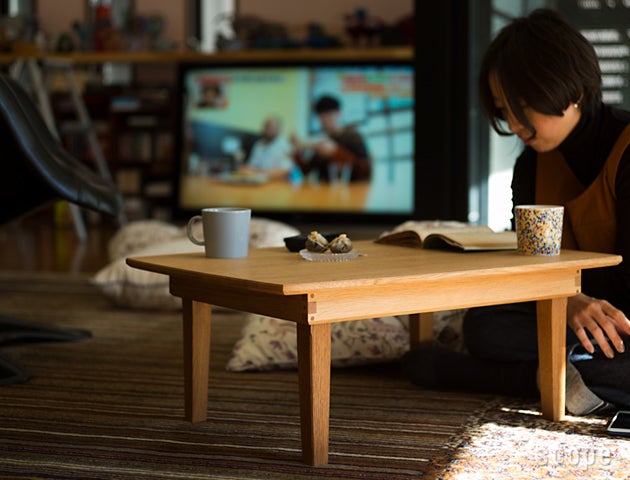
(35, 170)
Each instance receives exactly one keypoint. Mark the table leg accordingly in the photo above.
(552, 359)
(197, 320)
(313, 342)
(420, 328)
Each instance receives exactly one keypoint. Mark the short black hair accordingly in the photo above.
(327, 103)
(543, 62)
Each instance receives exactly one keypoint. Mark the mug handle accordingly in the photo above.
(189, 232)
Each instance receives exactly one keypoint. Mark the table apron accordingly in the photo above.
(441, 294)
(292, 307)
(381, 299)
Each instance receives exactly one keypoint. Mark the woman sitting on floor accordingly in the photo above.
(540, 77)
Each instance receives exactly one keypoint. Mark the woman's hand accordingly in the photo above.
(604, 322)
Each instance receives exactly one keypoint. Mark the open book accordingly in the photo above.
(468, 238)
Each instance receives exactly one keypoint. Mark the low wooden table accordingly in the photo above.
(384, 280)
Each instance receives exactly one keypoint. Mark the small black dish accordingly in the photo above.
(296, 242)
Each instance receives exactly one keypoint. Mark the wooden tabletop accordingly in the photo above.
(276, 270)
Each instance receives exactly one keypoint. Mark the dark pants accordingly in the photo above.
(507, 333)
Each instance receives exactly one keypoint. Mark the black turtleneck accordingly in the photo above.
(586, 150)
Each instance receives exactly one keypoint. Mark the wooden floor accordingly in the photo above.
(47, 241)
(43, 242)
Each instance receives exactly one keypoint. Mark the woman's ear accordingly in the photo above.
(578, 102)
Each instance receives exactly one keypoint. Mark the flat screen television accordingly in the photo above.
(221, 115)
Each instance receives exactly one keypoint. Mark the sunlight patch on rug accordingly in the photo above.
(566, 419)
(525, 452)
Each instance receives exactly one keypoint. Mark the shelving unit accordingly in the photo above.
(141, 150)
(134, 126)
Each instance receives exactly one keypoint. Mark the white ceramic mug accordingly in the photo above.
(225, 231)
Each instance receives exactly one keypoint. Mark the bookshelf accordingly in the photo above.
(141, 150)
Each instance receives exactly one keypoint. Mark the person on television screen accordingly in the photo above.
(212, 96)
(540, 80)
(271, 153)
(341, 153)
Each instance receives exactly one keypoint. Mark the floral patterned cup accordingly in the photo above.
(538, 229)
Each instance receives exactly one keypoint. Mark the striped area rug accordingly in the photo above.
(111, 407)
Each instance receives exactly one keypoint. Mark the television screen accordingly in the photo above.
(298, 140)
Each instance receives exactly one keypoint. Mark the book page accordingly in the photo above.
(471, 240)
(466, 238)
(406, 238)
